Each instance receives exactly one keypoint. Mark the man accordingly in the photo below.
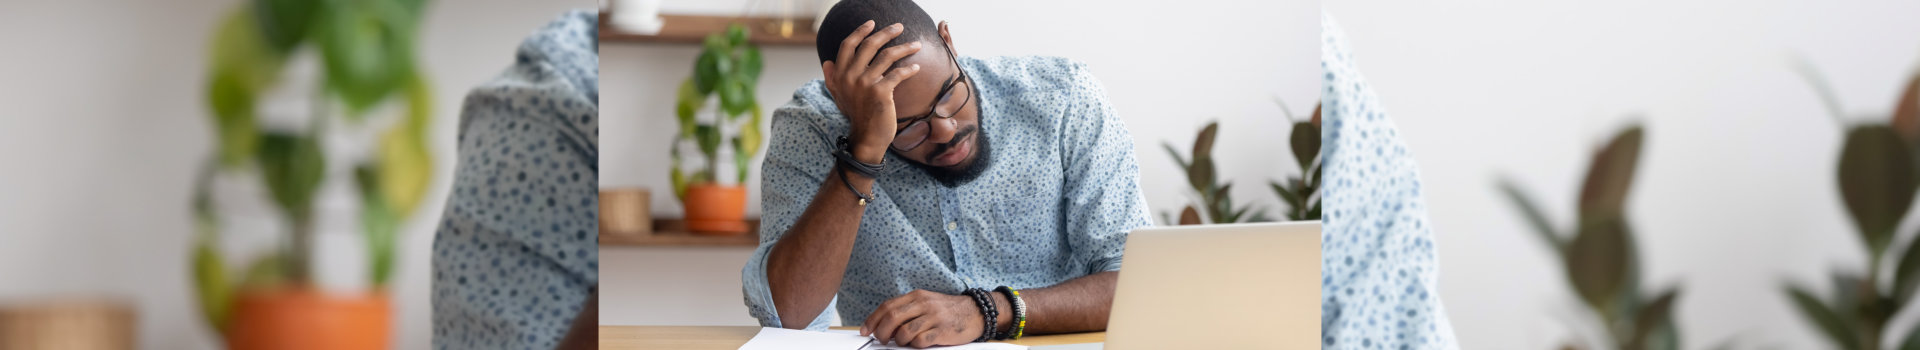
(515, 261)
(985, 173)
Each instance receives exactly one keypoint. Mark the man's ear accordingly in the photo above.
(944, 35)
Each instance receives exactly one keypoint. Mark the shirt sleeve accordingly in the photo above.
(1379, 267)
(798, 158)
(1102, 197)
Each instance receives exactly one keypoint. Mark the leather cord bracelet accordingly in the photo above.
(844, 153)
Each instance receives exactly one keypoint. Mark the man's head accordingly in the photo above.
(954, 149)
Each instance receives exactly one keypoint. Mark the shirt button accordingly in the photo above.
(953, 225)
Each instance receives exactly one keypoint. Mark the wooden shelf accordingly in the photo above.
(693, 29)
(674, 232)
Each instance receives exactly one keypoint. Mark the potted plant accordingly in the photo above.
(1302, 193)
(1599, 254)
(364, 88)
(1216, 203)
(729, 67)
(1879, 177)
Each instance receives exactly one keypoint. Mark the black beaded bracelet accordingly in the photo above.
(1019, 313)
(864, 198)
(843, 151)
(984, 299)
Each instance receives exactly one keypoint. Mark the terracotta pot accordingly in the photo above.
(716, 210)
(310, 319)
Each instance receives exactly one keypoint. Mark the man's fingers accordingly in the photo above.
(893, 78)
(872, 45)
(914, 333)
(852, 42)
(887, 58)
(891, 322)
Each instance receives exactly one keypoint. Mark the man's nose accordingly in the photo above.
(942, 129)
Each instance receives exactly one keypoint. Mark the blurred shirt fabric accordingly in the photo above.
(1379, 268)
(515, 256)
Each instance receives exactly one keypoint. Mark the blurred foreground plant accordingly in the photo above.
(1600, 258)
(1877, 185)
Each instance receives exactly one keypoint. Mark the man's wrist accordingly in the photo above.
(1004, 322)
(868, 154)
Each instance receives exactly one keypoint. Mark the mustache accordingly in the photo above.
(942, 148)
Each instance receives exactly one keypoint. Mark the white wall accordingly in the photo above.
(1168, 67)
(1735, 191)
(104, 120)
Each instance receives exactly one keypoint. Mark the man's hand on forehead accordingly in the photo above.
(861, 79)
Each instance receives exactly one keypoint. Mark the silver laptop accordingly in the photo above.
(1243, 286)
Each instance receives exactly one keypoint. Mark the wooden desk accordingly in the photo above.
(732, 337)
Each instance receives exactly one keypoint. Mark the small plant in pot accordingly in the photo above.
(365, 88)
(728, 66)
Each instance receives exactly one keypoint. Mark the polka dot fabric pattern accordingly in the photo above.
(1379, 270)
(1061, 194)
(515, 256)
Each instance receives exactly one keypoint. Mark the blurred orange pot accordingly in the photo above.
(716, 210)
(310, 319)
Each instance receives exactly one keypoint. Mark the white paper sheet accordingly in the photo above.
(969, 346)
(771, 338)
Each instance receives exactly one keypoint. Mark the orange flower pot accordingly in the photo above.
(310, 319)
(716, 210)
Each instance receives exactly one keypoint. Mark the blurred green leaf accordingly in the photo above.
(1906, 274)
(367, 48)
(243, 66)
(1537, 219)
(736, 35)
(735, 97)
(1175, 153)
(750, 138)
(1611, 175)
(679, 179)
(406, 166)
(381, 224)
(1912, 339)
(1906, 114)
(1836, 329)
(210, 281)
(284, 23)
(1876, 181)
(1597, 261)
(1291, 198)
(292, 167)
(1306, 143)
(265, 272)
(741, 160)
(708, 137)
(1200, 174)
(707, 72)
(1189, 216)
(1203, 143)
(751, 64)
(1656, 315)
(688, 106)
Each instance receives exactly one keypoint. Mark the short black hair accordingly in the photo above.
(848, 15)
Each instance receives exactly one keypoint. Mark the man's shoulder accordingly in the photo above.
(1041, 72)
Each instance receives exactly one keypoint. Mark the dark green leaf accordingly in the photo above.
(1175, 153)
(1651, 318)
(284, 23)
(1597, 261)
(1912, 341)
(1306, 143)
(292, 166)
(741, 161)
(687, 106)
(736, 35)
(1292, 199)
(1906, 275)
(1542, 227)
(1831, 325)
(751, 64)
(368, 52)
(382, 225)
(707, 72)
(735, 98)
(1876, 181)
(1611, 175)
(708, 137)
(1200, 174)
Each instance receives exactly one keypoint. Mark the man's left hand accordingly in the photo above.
(924, 318)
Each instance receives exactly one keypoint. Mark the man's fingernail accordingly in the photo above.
(916, 66)
(915, 44)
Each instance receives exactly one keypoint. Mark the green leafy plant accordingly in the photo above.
(728, 66)
(1599, 257)
(1302, 193)
(365, 48)
(1877, 185)
(1214, 199)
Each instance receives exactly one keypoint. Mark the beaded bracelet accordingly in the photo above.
(1019, 313)
(982, 298)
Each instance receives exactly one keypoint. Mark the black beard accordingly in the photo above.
(955, 177)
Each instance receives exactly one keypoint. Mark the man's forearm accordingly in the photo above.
(1077, 305)
(805, 267)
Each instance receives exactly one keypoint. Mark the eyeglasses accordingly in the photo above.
(915, 129)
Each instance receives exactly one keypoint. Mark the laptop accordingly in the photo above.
(1241, 286)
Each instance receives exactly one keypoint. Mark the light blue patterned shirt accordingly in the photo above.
(1379, 269)
(1061, 194)
(516, 255)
